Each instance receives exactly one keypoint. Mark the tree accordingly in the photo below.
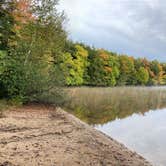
(31, 70)
(157, 72)
(74, 65)
(7, 35)
(6, 23)
(111, 67)
(104, 69)
(164, 75)
(127, 70)
(142, 76)
(97, 72)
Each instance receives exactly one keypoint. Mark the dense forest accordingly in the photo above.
(84, 65)
(36, 57)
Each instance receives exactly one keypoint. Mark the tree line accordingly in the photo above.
(37, 59)
(84, 65)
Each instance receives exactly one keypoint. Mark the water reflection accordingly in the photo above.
(144, 134)
(102, 105)
(134, 116)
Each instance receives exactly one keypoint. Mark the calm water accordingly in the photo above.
(135, 117)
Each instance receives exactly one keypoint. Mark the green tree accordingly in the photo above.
(74, 65)
(97, 72)
(127, 70)
(157, 72)
(6, 23)
(7, 35)
(31, 71)
(104, 69)
(142, 76)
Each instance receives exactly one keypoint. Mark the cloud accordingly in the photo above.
(133, 27)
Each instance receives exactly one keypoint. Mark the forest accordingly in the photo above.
(37, 59)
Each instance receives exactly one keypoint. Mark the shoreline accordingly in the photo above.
(41, 135)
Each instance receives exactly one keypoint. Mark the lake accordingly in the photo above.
(135, 116)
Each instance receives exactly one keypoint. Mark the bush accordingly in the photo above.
(28, 72)
(35, 81)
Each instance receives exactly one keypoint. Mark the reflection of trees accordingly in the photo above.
(100, 105)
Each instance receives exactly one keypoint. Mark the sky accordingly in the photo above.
(133, 27)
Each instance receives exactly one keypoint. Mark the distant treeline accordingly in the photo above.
(84, 65)
(36, 59)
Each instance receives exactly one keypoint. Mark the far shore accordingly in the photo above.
(40, 135)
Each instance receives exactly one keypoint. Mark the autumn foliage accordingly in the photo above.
(36, 57)
(106, 68)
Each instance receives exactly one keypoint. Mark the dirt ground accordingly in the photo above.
(43, 136)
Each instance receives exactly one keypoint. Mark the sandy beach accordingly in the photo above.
(45, 136)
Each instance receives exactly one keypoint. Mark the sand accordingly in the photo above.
(44, 136)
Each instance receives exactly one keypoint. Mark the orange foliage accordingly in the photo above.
(103, 55)
(160, 67)
(108, 69)
(22, 13)
(152, 74)
(131, 58)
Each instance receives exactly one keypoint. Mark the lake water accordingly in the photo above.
(135, 117)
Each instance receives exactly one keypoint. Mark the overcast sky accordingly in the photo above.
(133, 27)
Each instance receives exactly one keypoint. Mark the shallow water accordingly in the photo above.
(145, 134)
(135, 117)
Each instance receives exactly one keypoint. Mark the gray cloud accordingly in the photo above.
(134, 27)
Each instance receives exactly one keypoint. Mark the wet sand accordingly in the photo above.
(44, 136)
